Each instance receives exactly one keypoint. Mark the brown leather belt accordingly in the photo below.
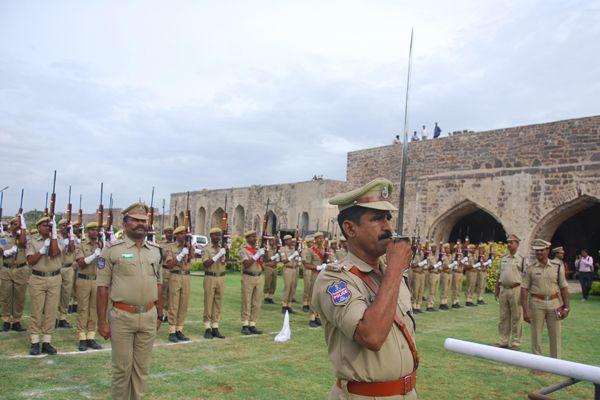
(208, 273)
(550, 297)
(133, 309)
(15, 266)
(252, 273)
(86, 277)
(179, 272)
(45, 274)
(399, 387)
(514, 285)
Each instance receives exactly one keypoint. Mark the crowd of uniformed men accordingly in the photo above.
(124, 288)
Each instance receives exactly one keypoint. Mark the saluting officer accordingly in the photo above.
(291, 261)
(13, 279)
(252, 282)
(215, 263)
(365, 304)
(178, 261)
(129, 271)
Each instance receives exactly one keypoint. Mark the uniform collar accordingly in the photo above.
(352, 260)
(131, 243)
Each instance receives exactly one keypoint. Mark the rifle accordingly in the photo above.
(109, 218)
(175, 217)
(80, 213)
(1, 226)
(162, 219)
(226, 236)
(263, 238)
(22, 240)
(151, 232)
(188, 226)
(100, 219)
(54, 249)
(69, 224)
(297, 239)
(327, 235)
(46, 206)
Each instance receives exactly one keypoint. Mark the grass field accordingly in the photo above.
(255, 367)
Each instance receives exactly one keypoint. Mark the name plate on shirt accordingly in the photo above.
(127, 255)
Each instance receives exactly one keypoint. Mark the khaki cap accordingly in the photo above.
(179, 229)
(249, 233)
(287, 237)
(15, 219)
(513, 237)
(91, 225)
(63, 221)
(558, 249)
(309, 238)
(540, 244)
(374, 194)
(137, 211)
(317, 234)
(43, 219)
(168, 229)
(215, 230)
(33, 231)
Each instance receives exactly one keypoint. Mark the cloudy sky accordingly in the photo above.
(185, 95)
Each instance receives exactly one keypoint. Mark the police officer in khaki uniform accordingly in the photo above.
(486, 262)
(342, 250)
(434, 277)
(457, 275)
(314, 259)
(14, 276)
(44, 257)
(272, 258)
(164, 243)
(306, 276)
(68, 247)
(129, 271)
(252, 283)
(445, 277)
(471, 272)
(370, 343)
(178, 261)
(291, 261)
(214, 260)
(545, 282)
(79, 238)
(87, 255)
(507, 293)
(418, 280)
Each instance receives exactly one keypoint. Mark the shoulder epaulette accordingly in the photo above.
(154, 244)
(116, 242)
(334, 267)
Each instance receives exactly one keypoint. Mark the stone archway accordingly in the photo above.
(238, 220)
(201, 221)
(467, 218)
(217, 218)
(271, 223)
(256, 225)
(181, 219)
(304, 223)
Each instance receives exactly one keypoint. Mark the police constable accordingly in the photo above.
(272, 259)
(14, 276)
(446, 276)
(418, 280)
(130, 273)
(87, 255)
(306, 276)
(473, 257)
(215, 263)
(545, 282)
(252, 283)
(178, 261)
(507, 294)
(434, 277)
(365, 305)
(342, 250)
(44, 257)
(164, 243)
(314, 259)
(68, 247)
(291, 261)
(457, 275)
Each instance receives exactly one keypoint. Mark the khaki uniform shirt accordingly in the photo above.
(544, 280)
(163, 245)
(310, 257)
(341, 299)
(86, 249)
(340, 254)
(46, 263)
(19, 257)
(431, 261)
(245, 254)
(130, 272)
(270, 253)
(170, 255)
(417, 259)
(67, 257)
(285, 252)
(511, 270)
(209, 252)
(446, 261)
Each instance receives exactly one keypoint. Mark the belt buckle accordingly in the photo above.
(407, 381)
(140, 309)
(547, 297)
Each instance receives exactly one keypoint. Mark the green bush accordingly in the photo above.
(197, 266)
(492, 274)
(595, 291)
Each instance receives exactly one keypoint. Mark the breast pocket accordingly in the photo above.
(127, 268)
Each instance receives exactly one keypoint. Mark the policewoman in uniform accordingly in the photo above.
(365, 304)
(129, 272)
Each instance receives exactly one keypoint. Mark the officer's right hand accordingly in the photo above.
(104, 330)
(526, 317)
(398, 254)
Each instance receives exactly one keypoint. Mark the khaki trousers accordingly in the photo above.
(540, 311)
(457, 280)
(13, 287)
(434, 283)
(511, 316)
(87, 317)
(251, 298)
(445, 283)
(481, 284)
(306, 293)
(73, 299)
(179, 298)
(44, 294)
(426, 286)
(66, 287)
(214, 289)
(165, 290)
(270, 282)
(290, 278)
(132, 338)
(471, 283)
(419, 285)
(313, 278)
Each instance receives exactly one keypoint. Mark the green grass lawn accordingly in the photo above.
(255, 367)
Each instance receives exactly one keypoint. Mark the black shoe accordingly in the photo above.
(181, 337)
(283, 310)
(417, 311)
(269, 301)
(92, 344)
(255, 331)
(82, 345)
(173, 338)
(318, 321)
(480, 302)
(444, 307)
(71, 309)
(456, 305)
(48, 349)
(17, 327)
(431, 309)
(313, 324)
(6, 327)
(289, 309)
(215, 333)
(470, 304)
(74, 308)
(35, 349)
(246, 330)
(294, 301)
(305, 308)
(208, 333)
(424, 298)
(63, 323)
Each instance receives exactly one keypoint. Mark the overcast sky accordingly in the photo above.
(185, 95)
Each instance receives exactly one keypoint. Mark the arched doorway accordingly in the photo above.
(271, 223)
(201, 221)
(467, 219)
(238, 220)
(304, 223)
(216, 218)
(256, 225)
(181, 219)
(176, 222)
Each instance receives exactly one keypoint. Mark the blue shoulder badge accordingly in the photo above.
(339, 292)
(101, 263)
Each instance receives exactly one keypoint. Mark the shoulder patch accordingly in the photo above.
(339, 292)
(334, 267)
(101, 263)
